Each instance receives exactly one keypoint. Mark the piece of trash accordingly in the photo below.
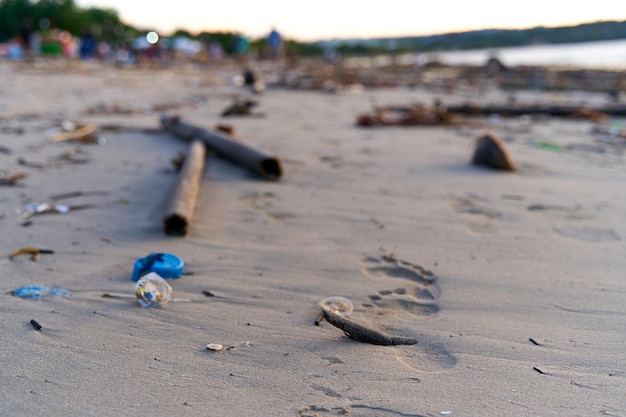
(490, 152)
(73, 194)
(164, 264)
(215, 347)
(549, 146)
(11, 180)
(446, 413)
(30, 164)
(38, 292)
(134, 297)
(152, 290)
(240, 108)
(338, 304)
(83, 134)
(33, 252)
(36, 325)
(43, 208)
(33, 209)
(226, 128)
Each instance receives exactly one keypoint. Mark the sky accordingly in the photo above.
(330, 19)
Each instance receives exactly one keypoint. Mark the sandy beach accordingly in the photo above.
(512, 283)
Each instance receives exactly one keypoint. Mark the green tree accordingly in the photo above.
(12, 13)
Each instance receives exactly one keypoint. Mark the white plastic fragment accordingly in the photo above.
(338, 304)
(216, 347)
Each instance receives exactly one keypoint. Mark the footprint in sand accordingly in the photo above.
(418, 292)
(588, 233)
(475, 205)
(576, 223)
(264, 203)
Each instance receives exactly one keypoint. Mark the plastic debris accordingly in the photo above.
(36, 325)
(35, 209)
(38, 292)
(152, 290)
(215, 347)
(549, 146)
(338, 304)
(164, 264)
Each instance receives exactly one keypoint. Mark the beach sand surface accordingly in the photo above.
(512, 283)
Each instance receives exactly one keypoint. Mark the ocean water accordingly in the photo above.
(604, 54)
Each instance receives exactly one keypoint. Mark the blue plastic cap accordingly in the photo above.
(164, 264)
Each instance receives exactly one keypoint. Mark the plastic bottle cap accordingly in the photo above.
(164, 264)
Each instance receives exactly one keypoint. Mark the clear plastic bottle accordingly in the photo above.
(152, 290)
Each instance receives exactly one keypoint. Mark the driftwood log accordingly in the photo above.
(183, 203)
(266, 166)
(585, 112)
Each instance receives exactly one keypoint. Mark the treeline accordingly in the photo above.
(106, 25)
(490, 38)
(65, 15)
(598, 31)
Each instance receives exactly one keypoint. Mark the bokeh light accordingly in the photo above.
(152, 38)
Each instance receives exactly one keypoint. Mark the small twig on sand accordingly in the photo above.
(365, 334)
(33, 252)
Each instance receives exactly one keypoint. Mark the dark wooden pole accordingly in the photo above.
(251, 159)
(181, 207)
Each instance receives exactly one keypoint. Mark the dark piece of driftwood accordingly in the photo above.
(364, 334)
(583, 112)
(407, 116)
(490, 152)
(251, 159)
(183, 202)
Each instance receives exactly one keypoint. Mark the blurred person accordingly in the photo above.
(26, 34)
(274, 41)
(216, 50)
(104, 51)
(242, 45)
(88, 45)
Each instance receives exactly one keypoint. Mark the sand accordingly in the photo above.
(512, 283)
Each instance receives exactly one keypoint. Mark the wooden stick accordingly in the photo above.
(364, 334)
(75, 134)
(251, 159)
(183, 202)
